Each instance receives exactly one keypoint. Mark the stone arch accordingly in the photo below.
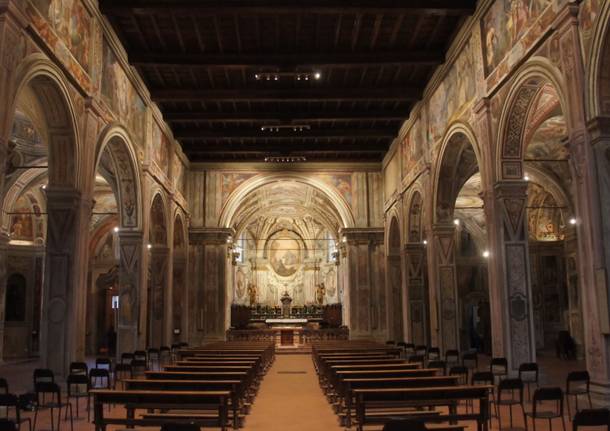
(232, 204)
(14, 191)
(513, 121)
(459, 158)
(392, 240)
(117, 140)
(50, 86)
(598, 66)
(158, 215)
(414, 217)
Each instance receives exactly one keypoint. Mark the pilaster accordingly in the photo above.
(131, 251)
(414, 271)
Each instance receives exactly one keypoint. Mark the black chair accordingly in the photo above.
(165, 355)
(416, 359)
(439, 365)
(462, 373)
(78, 386)
(99, 378)
(404, 425)
(542, 396)
(126, 358)
(43, 375)
(7, 425)
(591, 418)
(390, 343)
(499, 367)
(452, 357)
(52, 389)
(121, 372)
(513, 387)
(3, 385)
(486, 378)
(154, 357)
(528, 373)
(8, 401)
(578, 383)
(421, 350)
(138, 368)
(104, 363)
(140, 355)
(471, 361)
(78, 368)
(434, 354)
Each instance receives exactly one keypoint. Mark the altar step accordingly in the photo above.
(292, 350)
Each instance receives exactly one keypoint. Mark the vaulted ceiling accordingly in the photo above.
(324, 79)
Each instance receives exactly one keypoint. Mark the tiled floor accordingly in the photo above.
(290, 397)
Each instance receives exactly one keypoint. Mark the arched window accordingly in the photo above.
(15, 298)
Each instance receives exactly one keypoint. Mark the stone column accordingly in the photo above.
(210, 305)
(511, 259)
(3, 262)
(443, 255)
(64, 297)
(131, 248)
(365, 283)
(415, 264)
(157, 296)
(395, 299)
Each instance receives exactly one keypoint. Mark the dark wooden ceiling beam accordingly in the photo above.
(288, 61)
(232, 133)
(283, 118)
(282, 149)
(412, 93)
(207, 7)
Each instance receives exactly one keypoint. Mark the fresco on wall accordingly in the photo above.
(27, 221)
(232, 180)
(545, 220)
(178, 172)
(588, 14)
(72, 23)
(121, 96)
(412, 148)
(341, 182)
(453, 94)
(161, 149)
(158, 232)
(284, 254)
(504, 24)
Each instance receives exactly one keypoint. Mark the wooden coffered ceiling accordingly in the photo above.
(222, 71)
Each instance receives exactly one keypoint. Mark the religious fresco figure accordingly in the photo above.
(320, 293)
(252, 294)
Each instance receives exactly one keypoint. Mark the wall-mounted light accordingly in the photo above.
(116, 229)
(456, 221)
(573, 221)
(344, 239)
(425, 242)
(149, 246)
(44, 186)
(486, 254)
(526, 177)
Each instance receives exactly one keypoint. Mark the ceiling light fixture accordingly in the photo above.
(278, 127)
(285, 159)
(298, 76)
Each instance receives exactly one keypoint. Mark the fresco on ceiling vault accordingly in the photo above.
(341, 182)
(232, 180)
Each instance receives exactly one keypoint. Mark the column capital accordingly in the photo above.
(352, 235)
(216, 236)
(443, 228)
(131, 235)
(510, 189)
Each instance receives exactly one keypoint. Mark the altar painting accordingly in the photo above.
(285, 255)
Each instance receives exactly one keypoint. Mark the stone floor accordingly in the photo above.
(290, 397)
